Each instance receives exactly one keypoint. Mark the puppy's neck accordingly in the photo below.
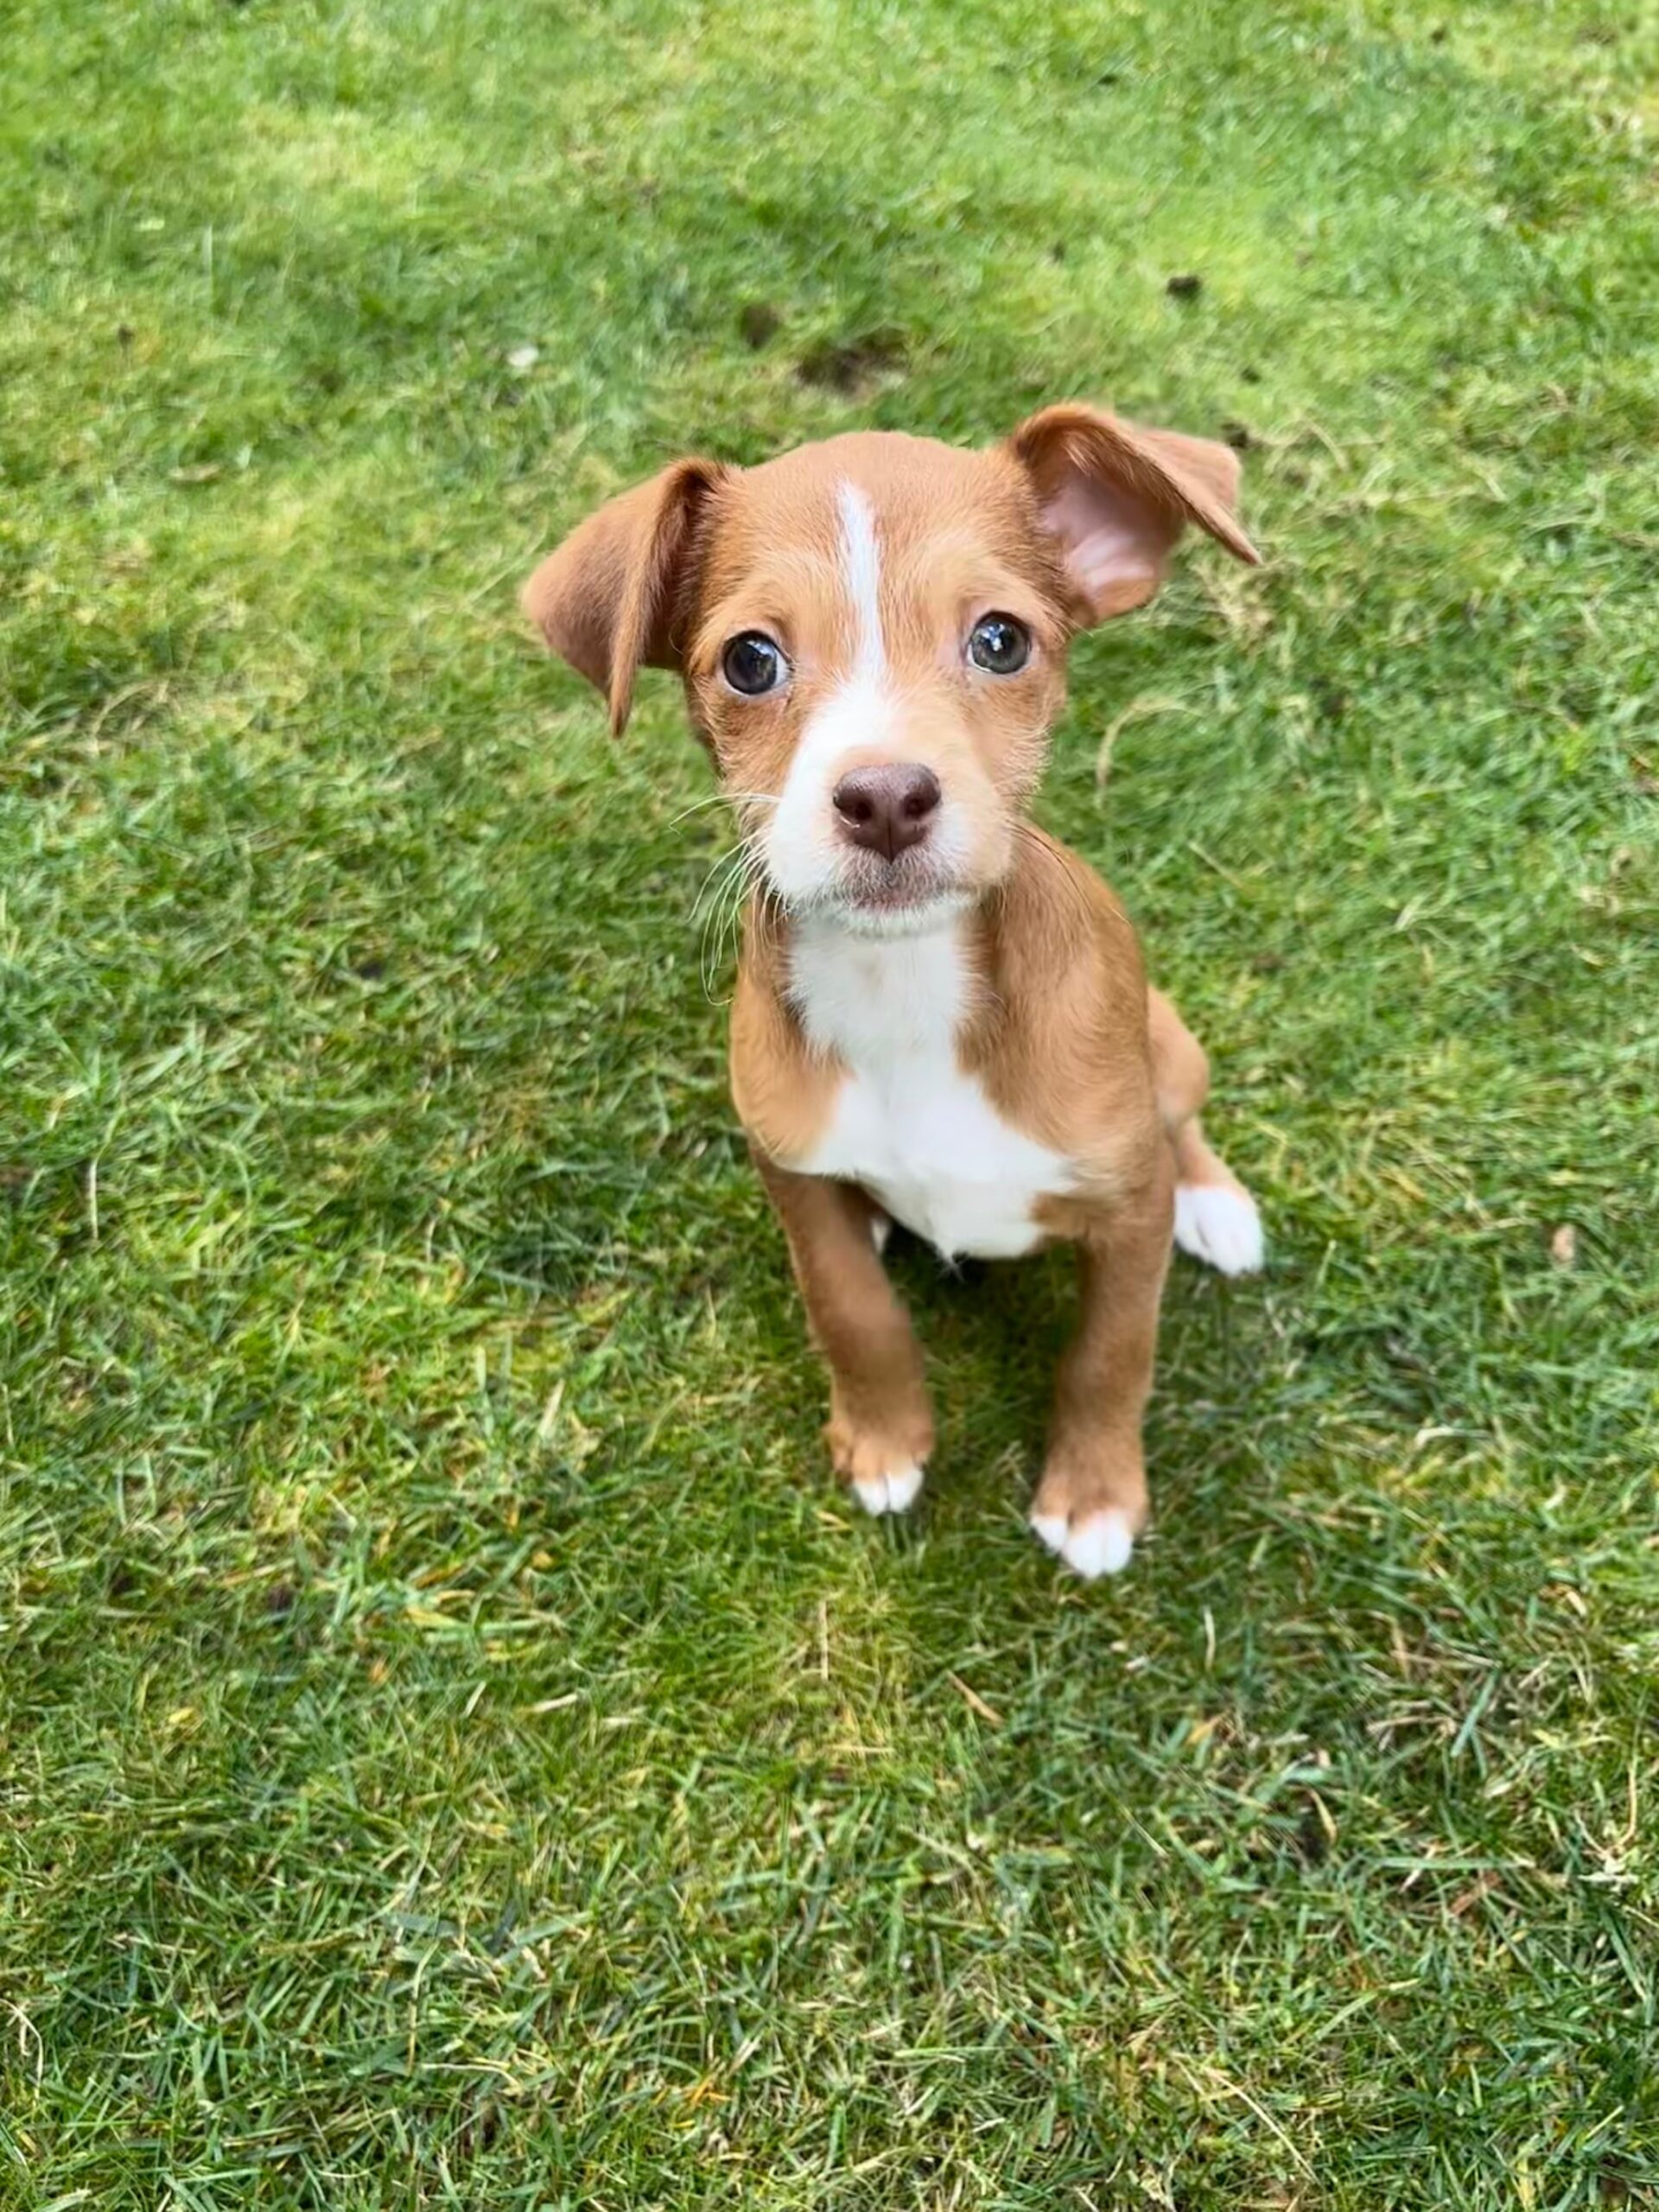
(872, 1000)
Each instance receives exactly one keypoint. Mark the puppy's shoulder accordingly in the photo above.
(1062, 930)
(1062, 1045)
(782, 1090)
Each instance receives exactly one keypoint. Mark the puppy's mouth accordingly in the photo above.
(882, 898)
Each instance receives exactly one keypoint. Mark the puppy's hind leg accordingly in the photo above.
(1216, 1217)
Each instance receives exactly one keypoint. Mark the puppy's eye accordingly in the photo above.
(751, 663)
(999, 644)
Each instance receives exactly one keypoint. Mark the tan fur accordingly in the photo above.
(1070, 520)
(879, 1416)
(1181, 1069)
(781, 1088)
(607, 599)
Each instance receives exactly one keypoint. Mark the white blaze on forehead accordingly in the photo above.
(803, 848)
(860, 566)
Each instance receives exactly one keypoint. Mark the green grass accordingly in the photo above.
(458, 1750)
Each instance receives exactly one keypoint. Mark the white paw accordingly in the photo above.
(894, 1493)
(881, 1230)
(1099, 1544)
(1220, 1226)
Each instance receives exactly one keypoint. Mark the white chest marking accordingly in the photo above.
(907, 1122)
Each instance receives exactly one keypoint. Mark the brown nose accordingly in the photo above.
(886, 809)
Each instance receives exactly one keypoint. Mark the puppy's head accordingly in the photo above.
(872, 632)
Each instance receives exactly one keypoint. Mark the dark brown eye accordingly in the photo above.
(751, 663)
(999, 644)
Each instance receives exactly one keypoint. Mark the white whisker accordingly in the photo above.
(724, 797)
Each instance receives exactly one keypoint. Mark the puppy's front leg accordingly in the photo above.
(1092, 1499)
(881, 1427)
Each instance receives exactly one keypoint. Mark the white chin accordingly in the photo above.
(907, 917)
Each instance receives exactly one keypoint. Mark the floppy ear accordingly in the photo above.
(608, 598)
(1118, 497)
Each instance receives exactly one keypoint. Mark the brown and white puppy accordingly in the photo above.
(941, 1014)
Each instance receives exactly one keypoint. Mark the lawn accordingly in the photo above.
(456, 1747)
